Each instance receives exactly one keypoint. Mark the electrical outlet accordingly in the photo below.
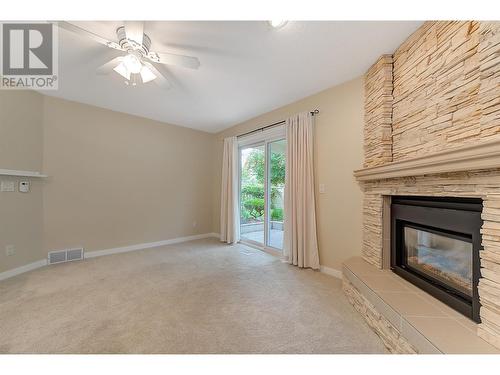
(195, 224)
(24, 186)
(10, 250)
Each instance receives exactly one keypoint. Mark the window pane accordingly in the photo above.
(252, 194)
(276, 170)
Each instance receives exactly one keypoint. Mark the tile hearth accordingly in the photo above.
(407, 319)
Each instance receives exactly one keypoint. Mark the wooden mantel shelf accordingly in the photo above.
(480, 156)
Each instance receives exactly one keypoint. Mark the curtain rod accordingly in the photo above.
(315, 112)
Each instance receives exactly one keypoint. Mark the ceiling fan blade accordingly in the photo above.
(78, 30)
(134, 30)
(173, 59)
(109, 66)
(160, 80)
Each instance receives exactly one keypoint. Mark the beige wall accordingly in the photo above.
(115, 179)
(21, 147)
(119, 180)
(338, 151)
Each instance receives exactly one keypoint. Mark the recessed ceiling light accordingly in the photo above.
(278, 24)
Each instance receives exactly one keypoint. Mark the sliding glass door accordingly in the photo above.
(262, 182)
(276, 183)
(252, 193)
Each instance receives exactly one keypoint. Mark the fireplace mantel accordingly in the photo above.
(485, 155)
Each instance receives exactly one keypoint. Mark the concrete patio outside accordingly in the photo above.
(275, 237)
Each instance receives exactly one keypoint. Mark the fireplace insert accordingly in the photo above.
(435, 244)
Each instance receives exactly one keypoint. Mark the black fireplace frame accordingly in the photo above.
(454, 217)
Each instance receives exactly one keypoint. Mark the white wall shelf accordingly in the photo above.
(12, 172)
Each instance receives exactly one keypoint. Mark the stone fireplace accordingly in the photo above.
(483, 185)
(432, 134)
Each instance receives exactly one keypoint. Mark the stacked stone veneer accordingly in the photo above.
(378, 113)
(446, 82)
(446, 94)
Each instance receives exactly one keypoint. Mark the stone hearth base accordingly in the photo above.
(406, 318)
(483, 184)
(389, 335)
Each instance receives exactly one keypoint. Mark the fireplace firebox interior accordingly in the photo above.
(435, 244)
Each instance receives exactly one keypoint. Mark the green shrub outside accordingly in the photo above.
(252, 190)
(254, 207)
(277, 214)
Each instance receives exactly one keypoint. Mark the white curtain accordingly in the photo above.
(229, 213)
(300, 245)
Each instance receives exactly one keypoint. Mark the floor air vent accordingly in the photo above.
(68, 255)
(74, 254)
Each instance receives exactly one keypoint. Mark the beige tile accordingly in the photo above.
(372, 296)
(411, 287)
(466, 322)
(352, 278)
(440, 305)
(410, 304)
(448, 311)
(383, 282)
(449, 336)
(387, 311)
(347, 273)
(359, 267)
(360, 285)
(418, 340)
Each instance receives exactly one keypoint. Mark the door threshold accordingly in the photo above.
(265, 249)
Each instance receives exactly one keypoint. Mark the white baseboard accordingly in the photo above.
(331, 271)
(97, 253)
(23, 269)
(147, 245)
(116, 250)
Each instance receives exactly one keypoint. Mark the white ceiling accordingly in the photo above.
(247, 68)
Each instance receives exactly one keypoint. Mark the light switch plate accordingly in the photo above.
(10, 250)
(321, 188)
(7, 186)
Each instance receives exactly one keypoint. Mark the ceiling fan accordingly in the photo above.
(138, 63)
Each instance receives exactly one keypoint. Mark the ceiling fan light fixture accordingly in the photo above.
(146, 74)
(113, 45)
(133, 81)
(132, 63)
(278, 24)
(135, 63)
(122, 70)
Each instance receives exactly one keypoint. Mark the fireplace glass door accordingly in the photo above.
(435, 245)
(443, 257)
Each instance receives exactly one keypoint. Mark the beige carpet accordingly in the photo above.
(195, 297)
